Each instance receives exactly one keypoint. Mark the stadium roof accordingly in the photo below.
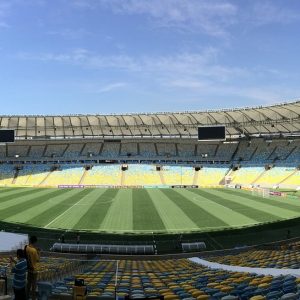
(279, 119)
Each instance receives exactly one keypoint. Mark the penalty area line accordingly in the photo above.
(63, 213)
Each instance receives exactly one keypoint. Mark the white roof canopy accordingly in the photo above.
(275, 119)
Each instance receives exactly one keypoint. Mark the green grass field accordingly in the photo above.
(141, 210)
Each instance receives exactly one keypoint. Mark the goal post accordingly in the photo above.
(261, 192)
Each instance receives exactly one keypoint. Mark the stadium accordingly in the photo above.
(149, 149)
(149, 184)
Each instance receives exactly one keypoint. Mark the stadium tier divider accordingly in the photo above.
(103, 249)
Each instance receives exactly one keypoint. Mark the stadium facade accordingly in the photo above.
(262, 148)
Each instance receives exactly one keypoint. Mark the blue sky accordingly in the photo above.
(114, 56)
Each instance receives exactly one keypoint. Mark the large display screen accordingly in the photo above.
(7, 136)
(211, 133)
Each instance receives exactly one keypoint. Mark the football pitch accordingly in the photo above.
(141, 210)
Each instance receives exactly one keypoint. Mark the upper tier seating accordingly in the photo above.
(55, 150)
(256, 151)
(73, 151)
(129, 149)
(166, 149)
(186, 150)
(111, 150)
(92, 149)
(36, 151)
(147, 150)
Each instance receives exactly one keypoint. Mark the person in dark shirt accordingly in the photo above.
(62, 238)
(19, 269)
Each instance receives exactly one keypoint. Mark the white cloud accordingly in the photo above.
(189, 73)
(210, 17)
(4, 12)
(70, 33)
(4, 25)
(111, 87)
(267, 12)
(182, 65)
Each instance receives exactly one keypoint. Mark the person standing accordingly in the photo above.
(32, 254)
(62, 238)
(19, 269)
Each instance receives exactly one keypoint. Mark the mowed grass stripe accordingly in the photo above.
(69, 218)
(171, 215)
(18, 193)
(21, 206)
(46, 217)
(145, 215)
(258, 210)
(4, 190)
(260, 204)
(229, 216)
(237, 206)
(273, 201)
(97, 211)
(196, 213)
(25, 216)
(122, 207)
(22, 199)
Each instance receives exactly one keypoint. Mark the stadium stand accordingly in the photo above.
(166, 149)
(247, 175)
(174, 279)
(103, 175)
(55, 150)
(294, 179)
(211, 176)
(6, 174)
(275, 176)
(91, 149)
(66, 174)
(129, 149)
(177, 175)
(111, 150)
(37, 174)
(142, 175)
(147, 150)
(36, 151)
(159, 150)
(206, 149)
(281, 259)
(246, 150)
(21, 151)
(186, 150)
(73, 151)
(146, 174)
(225, 151)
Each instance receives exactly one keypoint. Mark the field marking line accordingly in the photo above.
(84, 204)
(64, 212)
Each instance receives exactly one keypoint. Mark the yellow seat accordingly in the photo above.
(197, 293)
(264, 285)
(203, 297)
